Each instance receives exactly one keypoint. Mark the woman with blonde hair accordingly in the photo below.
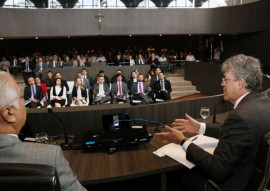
(79, 93)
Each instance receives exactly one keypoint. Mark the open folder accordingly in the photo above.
(176, 152)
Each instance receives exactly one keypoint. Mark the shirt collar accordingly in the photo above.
(14, 135)
(239, 99)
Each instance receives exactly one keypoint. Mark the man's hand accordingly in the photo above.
(187, 125)
(172, 135)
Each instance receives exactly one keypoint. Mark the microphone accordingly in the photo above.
(215, 109)
(66, 144)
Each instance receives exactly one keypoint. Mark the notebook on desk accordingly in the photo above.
(117, 131)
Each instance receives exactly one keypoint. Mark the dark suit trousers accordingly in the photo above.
(142, 97)
(33, 105)
(163, 95)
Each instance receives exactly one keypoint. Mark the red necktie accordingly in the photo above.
(78, 63)
(120, 88)
(140, 86)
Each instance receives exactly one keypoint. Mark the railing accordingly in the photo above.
(119, 4)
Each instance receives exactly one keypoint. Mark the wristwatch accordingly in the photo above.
(183, 141)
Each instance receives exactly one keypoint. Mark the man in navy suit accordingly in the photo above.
(139, 90)
(33, 94)
(240, 136)
(119, 90)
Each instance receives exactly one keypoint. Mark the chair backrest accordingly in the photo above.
(30, 177)
(70, 86)
(261, 171)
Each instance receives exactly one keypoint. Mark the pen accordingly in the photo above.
(194, 138)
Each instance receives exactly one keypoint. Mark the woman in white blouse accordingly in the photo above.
(58, 94)
(79, 93)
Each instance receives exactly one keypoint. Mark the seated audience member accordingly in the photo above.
(43, 87)
(162, 88)
(101, 58)
(153, 61)
(106, 78)
(5, 64)
(119, 90)
(149, 76)
(233, 160)
(162, 58)
(49, 81)
(58, 94)
(28, 69)
(131, 60)
(78, 62)
(90, 90)
(85, 81)
(79, 93)
(65, 84)
(139, 91)
(190, 57)
(133, 79)
(140, 60)
(118, 71)
(101, 91)
(12, 150)
(40, 65)
(33, 94)
(54, 63)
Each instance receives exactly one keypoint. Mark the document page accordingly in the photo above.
(176, 152)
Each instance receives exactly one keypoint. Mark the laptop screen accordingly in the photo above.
(115, 122)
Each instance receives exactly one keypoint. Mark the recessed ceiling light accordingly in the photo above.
(36, 37)
(1, 38)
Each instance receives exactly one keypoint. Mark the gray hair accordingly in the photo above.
(8, 94)
(246, 67)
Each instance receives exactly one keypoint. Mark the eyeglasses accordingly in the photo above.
(224, 79)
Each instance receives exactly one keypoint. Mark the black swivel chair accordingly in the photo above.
(30, 177)
(261, 172)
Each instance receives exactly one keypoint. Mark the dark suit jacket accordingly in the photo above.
(134, 89)
(74, 92)
(57, 64)
(157, 86)
(239, 139)
(96, 89)
(114, 89)
(39, 93)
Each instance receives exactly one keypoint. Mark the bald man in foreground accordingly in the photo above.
(12, 150)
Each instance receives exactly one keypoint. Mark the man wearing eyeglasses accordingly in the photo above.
(240, 136)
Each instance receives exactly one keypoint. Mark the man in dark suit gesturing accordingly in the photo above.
(12, 150)
(239, 137)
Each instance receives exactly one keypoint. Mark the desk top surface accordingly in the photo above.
(126, 163)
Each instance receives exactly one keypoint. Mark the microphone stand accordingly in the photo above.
(215, 109)
(66, 145)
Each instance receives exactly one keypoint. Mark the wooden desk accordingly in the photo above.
(133, 165)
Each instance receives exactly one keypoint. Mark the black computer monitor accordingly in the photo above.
(116, 122)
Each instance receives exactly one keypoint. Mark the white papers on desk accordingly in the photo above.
(176, 152)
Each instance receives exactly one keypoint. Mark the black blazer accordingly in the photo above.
(74, 92)
(157, 86)
(239, 138)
